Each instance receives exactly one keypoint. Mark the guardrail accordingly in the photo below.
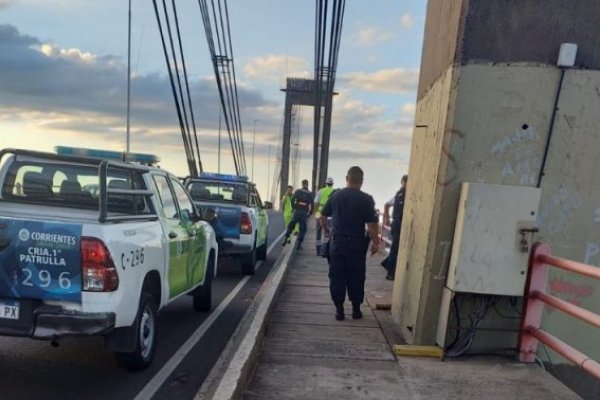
(536, 299)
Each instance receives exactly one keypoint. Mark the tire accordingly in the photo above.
(261, 252)
(202, 296)
(147, 324)
(249, 262)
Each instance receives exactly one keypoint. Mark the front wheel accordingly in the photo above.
(146, 328)
(249, 262)
(202, 295)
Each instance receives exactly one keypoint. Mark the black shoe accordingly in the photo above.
(285, 241)
(356, 313)
(383, 263)
(299, 247)
(339, 313)
(390, 276)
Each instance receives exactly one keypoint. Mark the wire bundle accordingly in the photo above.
(215, 18)
(462, 342)
(183, 100)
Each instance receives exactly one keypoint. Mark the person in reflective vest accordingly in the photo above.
(286, 207)
(320, 201)
(302, 202)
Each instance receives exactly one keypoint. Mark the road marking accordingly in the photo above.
(163, 374)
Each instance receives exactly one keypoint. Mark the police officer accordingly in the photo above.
(320, 201)
(350, 209)
(302, 202)
(397, 202)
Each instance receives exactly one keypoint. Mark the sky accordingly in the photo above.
(63, 79)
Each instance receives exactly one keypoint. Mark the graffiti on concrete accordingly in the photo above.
(557, 212)
(570, 291)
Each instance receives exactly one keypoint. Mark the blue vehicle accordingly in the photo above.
(238, 217)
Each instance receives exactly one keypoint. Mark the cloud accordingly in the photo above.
(408, 109)
(394, 80)
(407, 21)
(6, 3)
(71, 89)
(371, 35)
(273, 67)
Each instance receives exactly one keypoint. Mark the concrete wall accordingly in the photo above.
(483, 114)
(417, 244)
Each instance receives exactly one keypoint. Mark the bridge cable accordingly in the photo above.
(189, 156)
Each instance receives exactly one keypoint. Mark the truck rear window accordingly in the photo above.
(227, 192)
(72, 185)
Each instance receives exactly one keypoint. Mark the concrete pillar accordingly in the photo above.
(485, 103)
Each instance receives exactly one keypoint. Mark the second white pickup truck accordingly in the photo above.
(93, 246)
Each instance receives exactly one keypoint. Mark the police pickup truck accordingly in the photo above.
(240, 220)
(94, 246)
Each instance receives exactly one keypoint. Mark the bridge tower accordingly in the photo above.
(301, 92)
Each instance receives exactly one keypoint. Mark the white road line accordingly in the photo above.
(163, 374)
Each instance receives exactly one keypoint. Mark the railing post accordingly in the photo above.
(537, 278)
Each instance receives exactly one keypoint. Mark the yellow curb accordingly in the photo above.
(418, 351)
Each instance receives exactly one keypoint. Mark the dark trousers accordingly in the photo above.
(319, 236)
(347, 267)
(391, 258)
(299, 217)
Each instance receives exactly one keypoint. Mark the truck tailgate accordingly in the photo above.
(40, 260)
(227, 223)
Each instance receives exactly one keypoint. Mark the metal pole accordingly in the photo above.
(127, 136)
(253, 142)
(219, 153)
(269, 173)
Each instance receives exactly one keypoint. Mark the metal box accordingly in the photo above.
(488, 255)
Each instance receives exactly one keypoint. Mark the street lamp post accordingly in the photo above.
(269, 174)
(253, 142)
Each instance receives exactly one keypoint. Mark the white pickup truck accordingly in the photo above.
(241, 224)
(93, 246)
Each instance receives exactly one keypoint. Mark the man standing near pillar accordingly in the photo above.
(302, 202)
(350, 209)
(397, 203)
(320, 201)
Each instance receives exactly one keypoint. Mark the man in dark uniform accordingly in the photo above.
(302, 203)
(398, 207)
(350, 209)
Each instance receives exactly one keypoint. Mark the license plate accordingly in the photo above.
(9, 309)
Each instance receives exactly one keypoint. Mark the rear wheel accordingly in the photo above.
(203, 295)
(249, 262)
(146, 328)
(261, 252)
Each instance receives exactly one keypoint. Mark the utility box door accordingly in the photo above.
(487, 254)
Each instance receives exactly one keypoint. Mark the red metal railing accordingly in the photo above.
(535, 300)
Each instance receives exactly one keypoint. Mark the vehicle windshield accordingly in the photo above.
(71, 185)
(228, 192)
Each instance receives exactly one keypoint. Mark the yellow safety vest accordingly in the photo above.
(325, 194)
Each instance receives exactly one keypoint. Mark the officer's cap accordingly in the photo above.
(329, 180)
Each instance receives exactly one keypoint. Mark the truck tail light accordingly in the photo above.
(98, 270)
(246, 224)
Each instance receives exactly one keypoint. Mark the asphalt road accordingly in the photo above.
(83, 369)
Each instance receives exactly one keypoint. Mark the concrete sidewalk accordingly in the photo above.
(307, 354)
